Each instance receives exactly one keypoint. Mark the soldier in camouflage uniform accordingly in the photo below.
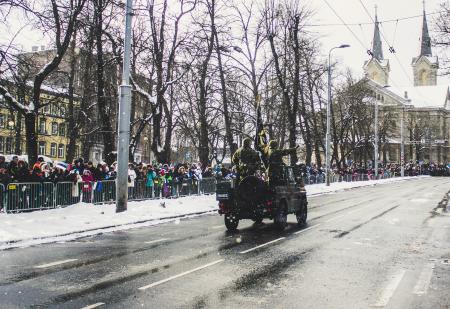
(275, 158)
(246, 160)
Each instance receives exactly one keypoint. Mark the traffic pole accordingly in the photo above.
(376, 139)
(402, 146)
(123, 140)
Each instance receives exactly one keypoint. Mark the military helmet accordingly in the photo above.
(247, 142)
(273, 144)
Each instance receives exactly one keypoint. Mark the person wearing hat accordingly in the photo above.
(246, 160)
(275, 160)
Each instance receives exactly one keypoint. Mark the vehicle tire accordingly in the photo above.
(302, 215)
(258, 220)
(231, 222)
(280, 219)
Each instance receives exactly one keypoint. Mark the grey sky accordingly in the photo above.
(404, 35)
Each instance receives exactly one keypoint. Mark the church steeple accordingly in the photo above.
(425, 46)
(425, 66)
(377, 47)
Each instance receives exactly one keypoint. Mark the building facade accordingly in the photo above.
(423, 106)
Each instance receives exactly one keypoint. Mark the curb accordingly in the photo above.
(17, 243)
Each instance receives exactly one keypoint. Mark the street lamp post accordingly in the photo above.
(328, 137)
(124, 118)
(376, 139)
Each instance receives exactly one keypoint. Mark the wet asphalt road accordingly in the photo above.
(385, 246)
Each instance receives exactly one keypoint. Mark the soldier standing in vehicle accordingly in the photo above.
(275, 158)
(246, 160)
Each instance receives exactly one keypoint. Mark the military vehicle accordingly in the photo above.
(254, 199)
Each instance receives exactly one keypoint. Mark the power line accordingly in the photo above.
(391, 48)
(343, 22)
(369, 23)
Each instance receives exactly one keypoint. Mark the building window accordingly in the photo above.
(46, 109)
(9, 145)
(61, 151)
(62, 129)
(42, 126)
(11, 122)
(42, 148)
(2, 121)
(53, 150)
(54, 128)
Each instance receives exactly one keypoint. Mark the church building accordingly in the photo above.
(424, 106)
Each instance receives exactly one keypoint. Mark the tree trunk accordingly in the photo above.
(30, 131)
(106, 128)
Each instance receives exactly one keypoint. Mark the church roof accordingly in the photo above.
(424, 96)
(377, 47)
(425, 46)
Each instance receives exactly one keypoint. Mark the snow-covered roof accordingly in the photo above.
(424, 96)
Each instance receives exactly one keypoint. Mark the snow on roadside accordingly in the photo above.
(81, 220)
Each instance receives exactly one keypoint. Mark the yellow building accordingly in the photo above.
(51, 127)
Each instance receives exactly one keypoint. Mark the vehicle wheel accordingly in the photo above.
(231, 222)
(258, 220)
(301, 215)
(280, 219)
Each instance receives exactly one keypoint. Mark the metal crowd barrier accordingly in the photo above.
(18, 197)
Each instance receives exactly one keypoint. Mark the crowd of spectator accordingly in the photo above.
(160, 176)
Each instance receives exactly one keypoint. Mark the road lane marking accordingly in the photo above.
(308, 228)
(180, 275)
(156, 241)
(55, 263)
(93, 306)
(424, 279)
(335, 218)
(263, 245)
(217, 227)
(390, 289)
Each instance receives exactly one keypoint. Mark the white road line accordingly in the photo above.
(389, 290)
(93, 306)
(217, 227)
(335, 218)
(180, 275)
(308, 228)
(424, 280)
(257, 247)
(55, 263)
(156, 240)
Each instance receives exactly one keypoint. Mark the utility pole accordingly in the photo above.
(123, 140)
(376, 139)
(402, 145)
(328, 135)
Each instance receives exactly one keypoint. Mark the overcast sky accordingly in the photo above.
(406, 40)
(403, 36)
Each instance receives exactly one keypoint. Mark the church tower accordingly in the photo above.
(425, 66)
(377, 68)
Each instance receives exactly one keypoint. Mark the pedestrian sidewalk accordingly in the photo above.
(81, 220)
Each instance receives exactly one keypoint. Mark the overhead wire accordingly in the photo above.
(391, 49)
(369, 52)
(343, 22)
(369, 23)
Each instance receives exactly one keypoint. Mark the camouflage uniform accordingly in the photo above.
(246, 159)
(275, 156)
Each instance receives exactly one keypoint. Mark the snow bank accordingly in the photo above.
(81, 220)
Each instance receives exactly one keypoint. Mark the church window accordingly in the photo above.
(423, 77)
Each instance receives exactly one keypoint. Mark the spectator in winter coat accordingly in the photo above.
(23, 174)
(2, 162)
(36, 174)
(131, 176)
(87, 185)
(4, 178)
